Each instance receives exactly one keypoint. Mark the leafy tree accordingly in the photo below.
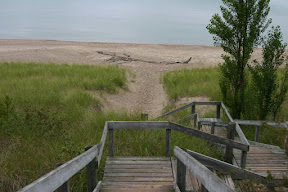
(238, 31)
(264, 75)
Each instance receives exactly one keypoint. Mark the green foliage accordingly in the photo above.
(269, 94)
(191, 83)
(238, 31)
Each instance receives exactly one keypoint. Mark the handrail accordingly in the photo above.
(208, 137)
(54, 179)
(57, 177)
(260, 123)
(208, 179)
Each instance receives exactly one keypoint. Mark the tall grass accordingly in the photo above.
(48, 115)
(192, 82)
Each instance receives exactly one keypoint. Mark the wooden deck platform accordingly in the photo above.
(138, 174)
(260, 159)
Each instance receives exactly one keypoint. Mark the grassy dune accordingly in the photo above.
(49, 113)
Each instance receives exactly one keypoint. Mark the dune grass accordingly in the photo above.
(205, 82)
(49, 113)
(192, 82)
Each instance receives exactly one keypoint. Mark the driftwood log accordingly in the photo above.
(127, 58)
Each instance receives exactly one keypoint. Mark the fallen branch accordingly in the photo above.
(128, 58)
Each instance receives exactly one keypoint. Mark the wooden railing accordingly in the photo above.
(229, 143)
(209, 180)
(200, 165)
(258, 124)
(199, 123)
(58, 178)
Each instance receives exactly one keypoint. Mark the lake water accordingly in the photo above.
(131, 21)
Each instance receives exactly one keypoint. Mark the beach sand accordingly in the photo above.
(146, 93)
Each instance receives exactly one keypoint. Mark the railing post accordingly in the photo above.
(111, 143)
(195, 120)
(286, 145)
(199, 125)
(65, 187)
(91, 173)
(168, 142)
(181, 175)
(257, 133)
(230, 135)
(218, 111)
(193, 109)
(213, 127)
(243, 159)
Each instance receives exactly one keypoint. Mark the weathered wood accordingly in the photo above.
(193, 109)
(145, 162)
(229, 149)
(208, 137)
(121, 170)
(218, 112)
(65, 187)
(243, 159)
(260, 123)
(138, 124)
(226, 112)
(91, 173)
(207, 102)
(286, 145)
(128, 58)
(207, 178)
(98, 187)
(176, 110)
(103, 140)
(257, 133)
(241, 135)
(226, 168)
(168, 142)
(139, 179)
(141, 166)
(213, 128)
(111, 143)
(181, 175)
(195, 119)
(63, 173)
(138, 159)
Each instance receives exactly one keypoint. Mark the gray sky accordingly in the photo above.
(149, 21)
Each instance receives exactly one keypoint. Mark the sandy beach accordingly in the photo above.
(146, 93)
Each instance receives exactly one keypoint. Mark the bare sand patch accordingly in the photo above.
(146, 93)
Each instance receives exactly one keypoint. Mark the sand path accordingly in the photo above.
(146, 93)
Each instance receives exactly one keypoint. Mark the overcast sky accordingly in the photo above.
(140, 21)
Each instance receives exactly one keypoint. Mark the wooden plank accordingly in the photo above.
(207, 178)
(207, 102)
(226, 168)
(138, 179)
(176, 110)
(168, 142)
(138, 159)
(208, 137)
(147, 166)
(98, 187)
(91, 173)
(218, 108)
(111, 143)
(61, 174)
(241, 135)
(257, 133)
(159, 174)
(137, 170)
(226, 112)
(138, 190)
(138, 162)
(260, 123)
(181, 175)
(103, 140)
(127, 183)
(138, 124)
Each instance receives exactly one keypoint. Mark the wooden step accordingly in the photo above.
(138, 174)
